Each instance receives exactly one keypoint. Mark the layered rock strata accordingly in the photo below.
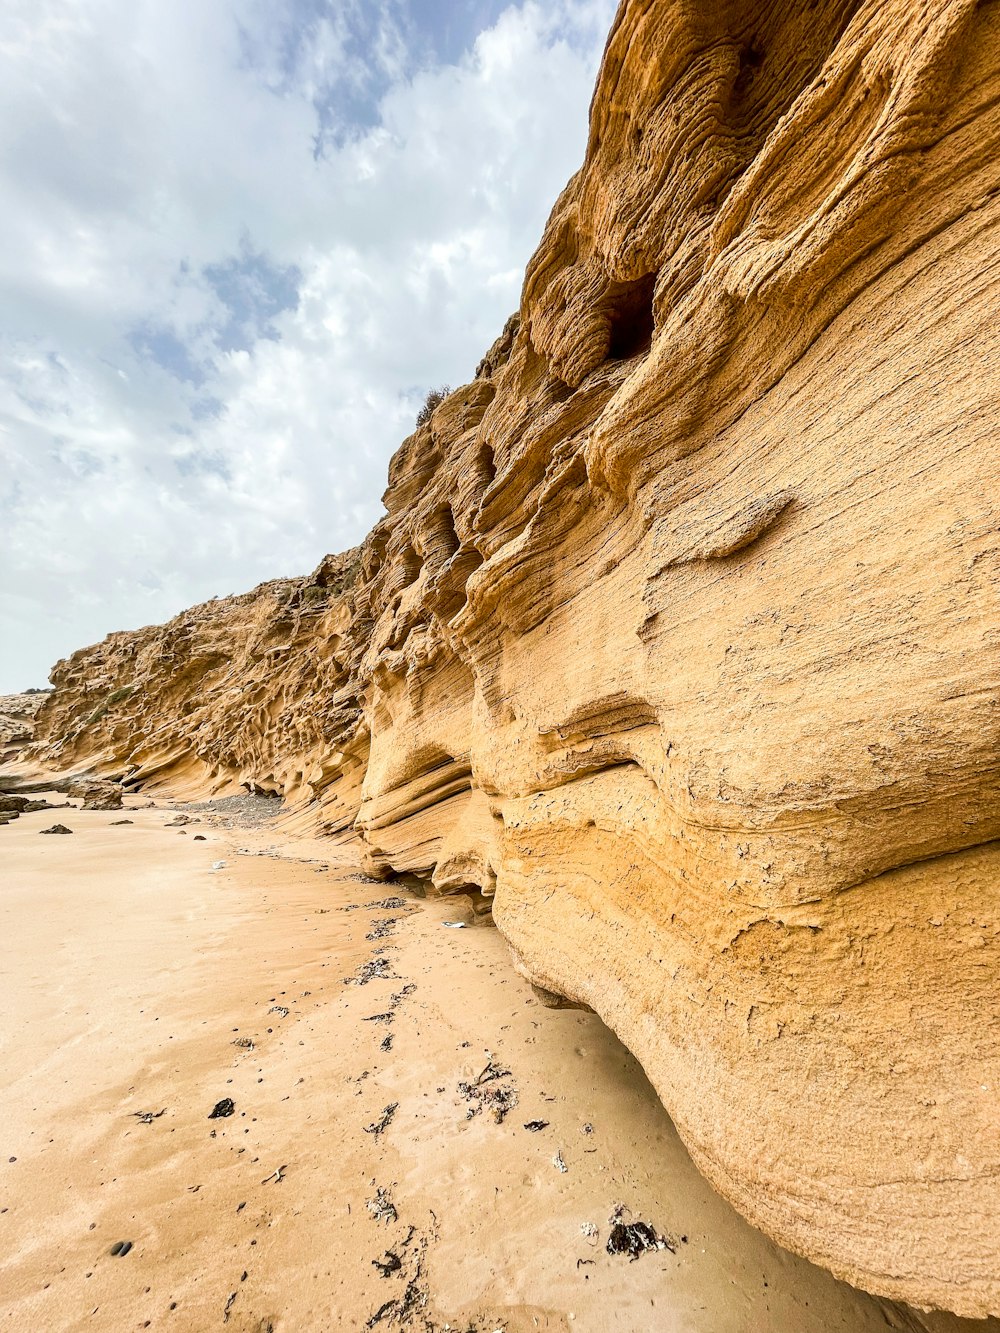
(679, 637)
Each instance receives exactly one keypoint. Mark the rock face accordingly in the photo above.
(17, 716)
(679, 639)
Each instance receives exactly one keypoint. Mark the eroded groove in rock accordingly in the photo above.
(679, 638)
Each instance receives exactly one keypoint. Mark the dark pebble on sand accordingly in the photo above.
(121, 1248)
(222, 1109)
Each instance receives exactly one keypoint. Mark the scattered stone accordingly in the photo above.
(222, 1109)
(116, 822)
(56, 828)
(200, 837)
(281, 1010)
(535, 1125)
(386, 1043)
(454, 925)
(558, 1162)
(121, 1248)
(248, 811)
(218, 865)
(379, 1018)
(244, 1043)
(277, 1175)
(588, 1229)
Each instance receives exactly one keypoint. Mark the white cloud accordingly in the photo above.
(174, 420)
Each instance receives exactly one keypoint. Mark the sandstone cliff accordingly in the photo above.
(679, 638)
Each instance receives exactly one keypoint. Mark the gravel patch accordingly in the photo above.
(238, 811)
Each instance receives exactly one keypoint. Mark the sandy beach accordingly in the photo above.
(376, 1170)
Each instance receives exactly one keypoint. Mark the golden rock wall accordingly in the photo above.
(680, 636)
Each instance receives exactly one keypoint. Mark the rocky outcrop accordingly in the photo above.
(95, 794)
(679, 638)
(258, 690)
(17, 721)
(12, 807)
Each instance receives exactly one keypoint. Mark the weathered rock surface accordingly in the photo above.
(96, 794)
(680, 635)
(17, 717)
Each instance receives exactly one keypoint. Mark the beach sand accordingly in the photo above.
(131, 968)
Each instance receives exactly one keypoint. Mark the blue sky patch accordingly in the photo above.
(254, 291)
(162, 345)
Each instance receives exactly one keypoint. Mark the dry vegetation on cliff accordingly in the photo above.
(678, 639)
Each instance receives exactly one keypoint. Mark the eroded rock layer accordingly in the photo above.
(679, 638)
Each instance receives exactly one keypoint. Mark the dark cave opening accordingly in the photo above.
(630, 317)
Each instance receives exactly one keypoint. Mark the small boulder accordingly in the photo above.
(56, 828)
(97, 794)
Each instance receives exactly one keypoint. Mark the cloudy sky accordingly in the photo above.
(239, 240)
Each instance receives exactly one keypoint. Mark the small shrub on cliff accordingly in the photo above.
(434, 399)
(115, 697)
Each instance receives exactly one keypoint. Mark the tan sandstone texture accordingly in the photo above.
(679, 638)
